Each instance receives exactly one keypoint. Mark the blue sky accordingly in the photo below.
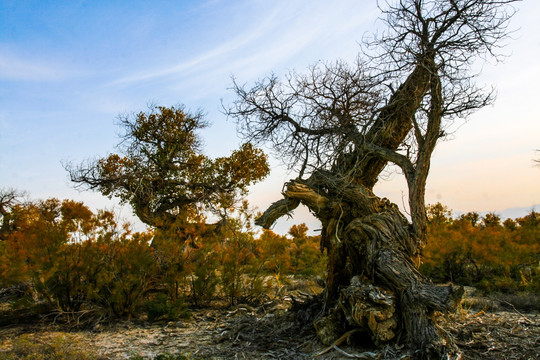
(68, 68)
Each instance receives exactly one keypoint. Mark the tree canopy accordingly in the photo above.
(393, 105)
(161, 172)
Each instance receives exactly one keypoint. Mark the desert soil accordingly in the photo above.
(278, 333)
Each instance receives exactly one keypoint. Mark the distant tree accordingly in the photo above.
(438, 214)
(471, 217)
(490, 256)
(306, 256)
(9, 198)
(339, 126)
(531, 220)
(491, 220)
(510, 224)
(161, 172)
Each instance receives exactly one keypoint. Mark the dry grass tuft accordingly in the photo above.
(53, 346)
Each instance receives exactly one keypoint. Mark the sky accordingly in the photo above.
(69, 68)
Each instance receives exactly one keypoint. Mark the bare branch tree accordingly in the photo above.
(339, 126)
(9, 198)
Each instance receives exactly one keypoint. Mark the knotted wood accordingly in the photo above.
(373, 283)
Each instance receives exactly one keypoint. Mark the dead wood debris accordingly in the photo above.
(284, 331)
(501, 335)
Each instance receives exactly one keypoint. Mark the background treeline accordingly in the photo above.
(80, 264)
(484, 252)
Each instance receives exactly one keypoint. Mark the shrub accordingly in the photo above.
(163, 308)
(482, 252)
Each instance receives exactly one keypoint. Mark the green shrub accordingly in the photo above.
(161, 307)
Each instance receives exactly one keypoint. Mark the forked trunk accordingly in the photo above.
(373, 251)
(373, 283)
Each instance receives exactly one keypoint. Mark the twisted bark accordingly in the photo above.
(373, 282)
(334, 123)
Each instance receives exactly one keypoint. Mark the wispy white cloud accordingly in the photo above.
(16, 68)
(322, 36)
(296, 41)
(278, 35)
(207, 58)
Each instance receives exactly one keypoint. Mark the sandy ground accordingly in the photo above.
(249, 333)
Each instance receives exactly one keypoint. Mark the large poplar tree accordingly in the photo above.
(339, 126)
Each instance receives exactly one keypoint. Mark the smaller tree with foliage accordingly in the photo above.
(161, 172)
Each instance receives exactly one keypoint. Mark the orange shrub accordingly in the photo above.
(483, 251)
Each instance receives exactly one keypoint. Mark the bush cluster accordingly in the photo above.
(484, 252)
(83, 264)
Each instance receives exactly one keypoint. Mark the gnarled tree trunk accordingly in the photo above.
(373, 282)
(373, 251)
(344, 127)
